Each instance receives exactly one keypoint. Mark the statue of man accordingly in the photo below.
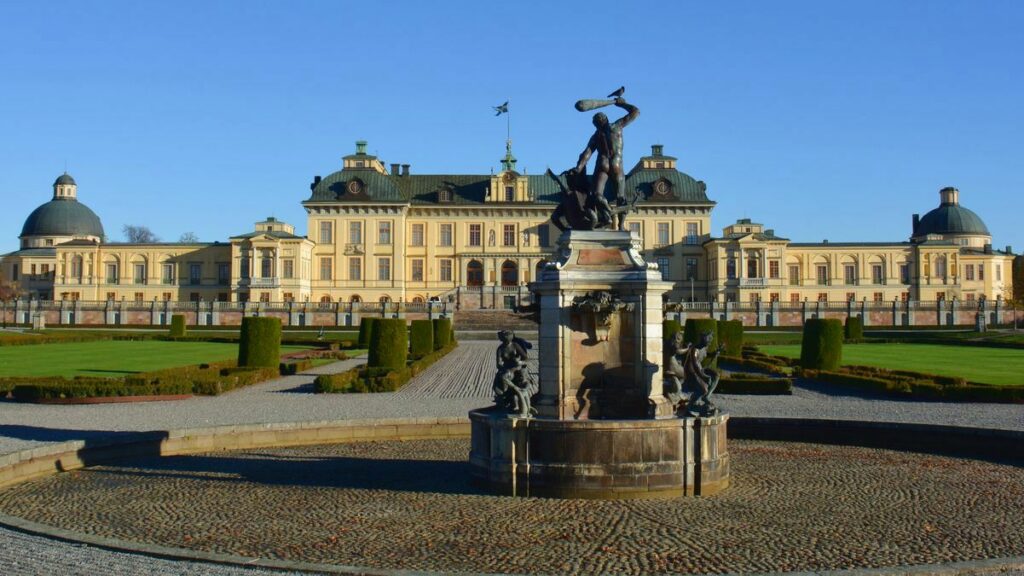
(607, 142)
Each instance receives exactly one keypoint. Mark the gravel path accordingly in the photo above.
(451, 387)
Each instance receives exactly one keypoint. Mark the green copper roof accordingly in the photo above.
(63, 217)
(472, 188)
(64, 178)
(951, 219)
(372, 186)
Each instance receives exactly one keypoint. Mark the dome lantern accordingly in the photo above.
(65, 188)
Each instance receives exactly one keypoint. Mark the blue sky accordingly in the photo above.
(819, 119)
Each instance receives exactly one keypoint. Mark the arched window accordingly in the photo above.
(385, 299)
(417, 300)
(474, 273)
(509, 273)
(355, 298)
(325, 299)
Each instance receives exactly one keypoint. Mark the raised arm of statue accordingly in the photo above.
(631, 112)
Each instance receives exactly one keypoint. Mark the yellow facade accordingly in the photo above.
(387, 235)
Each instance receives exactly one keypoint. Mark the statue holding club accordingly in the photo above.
(607, 142)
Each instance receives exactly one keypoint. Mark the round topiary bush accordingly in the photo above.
(822, 344)
(669, 328)
(730, 333)
(854, 330)
(421, 338)
(178, 329)
(693, 330)
(366, 332)
(389, 344)
(443, 332)
(260, 343)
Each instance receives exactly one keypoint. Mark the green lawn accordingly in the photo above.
(112, 358)
(986, 365)
(766, 338)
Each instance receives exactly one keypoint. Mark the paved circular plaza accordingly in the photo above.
(409, 505)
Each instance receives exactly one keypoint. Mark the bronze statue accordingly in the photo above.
(689, 385)
(580, 209)
(607, 142)
(513, 385)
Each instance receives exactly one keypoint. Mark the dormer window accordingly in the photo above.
(662, 188)
(510, 193)
(444, 195)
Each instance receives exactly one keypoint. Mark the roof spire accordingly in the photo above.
(508, 163)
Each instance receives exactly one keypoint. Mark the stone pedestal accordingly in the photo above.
(589, 371)
(664, 458)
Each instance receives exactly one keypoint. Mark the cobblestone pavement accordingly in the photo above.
(34, 556)
(408, 505)
(451, 387)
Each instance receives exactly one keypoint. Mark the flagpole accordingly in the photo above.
(508, 123)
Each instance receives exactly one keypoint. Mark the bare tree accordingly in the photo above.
(9, 290)
(139, 234)
(188, 238)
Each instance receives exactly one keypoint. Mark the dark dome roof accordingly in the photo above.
(65, 217)
(64, 178)
(951, 219)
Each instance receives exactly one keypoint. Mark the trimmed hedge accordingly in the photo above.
(917, 385)
(293, 367)
(178, 329)
(822, 345)
(443, 332)
(730, 333)
(15, 339)
(421, 338)
(854, 329)
(260, 343)
(389, 344)
(754, 385)
(768, 364)
(376, 379)
(669, 328)
(205, 379)
(695, 327)
(366, 332)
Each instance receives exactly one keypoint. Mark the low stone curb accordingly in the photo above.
(42, 461)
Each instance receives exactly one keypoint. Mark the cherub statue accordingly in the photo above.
(513, 384)
(689, 385)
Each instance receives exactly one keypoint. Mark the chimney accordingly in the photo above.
(316, 181)
(656, 149)
(917, 220)
(1009, 249)
(769, 232)
(394, 169)
(988, 248)
(405, 169)
(361, 147)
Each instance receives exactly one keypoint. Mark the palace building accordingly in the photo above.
(382, 234)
